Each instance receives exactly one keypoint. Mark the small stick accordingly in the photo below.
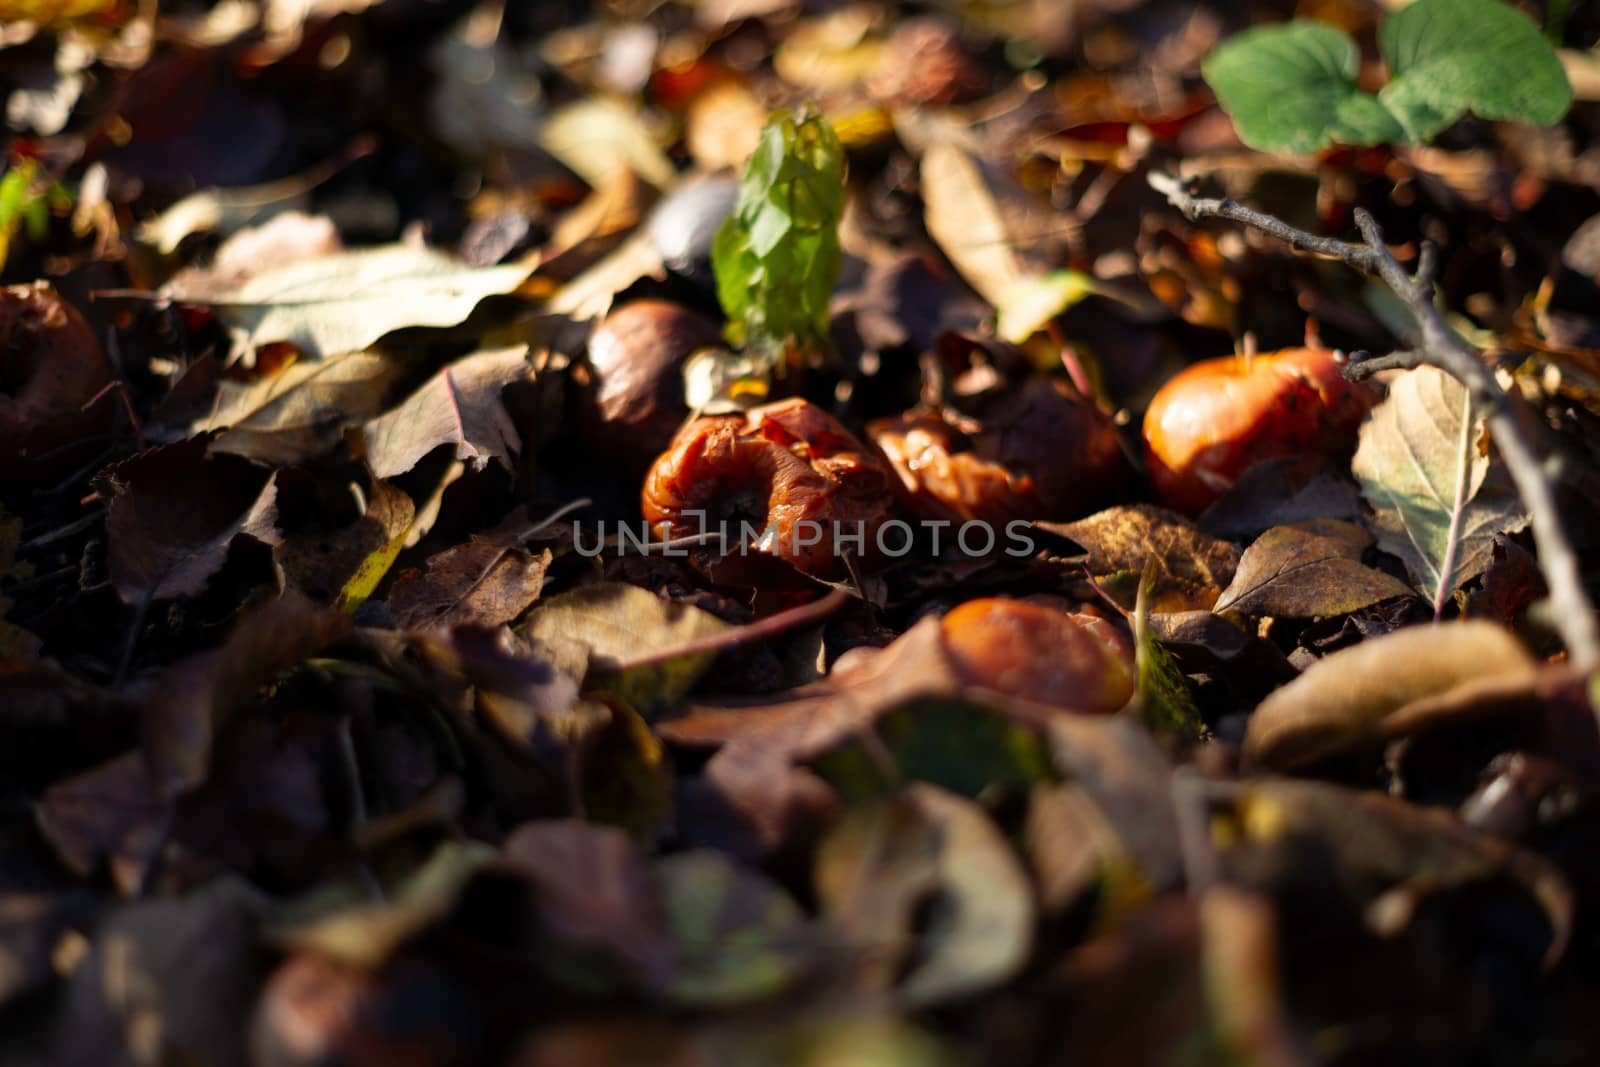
(1441, 347)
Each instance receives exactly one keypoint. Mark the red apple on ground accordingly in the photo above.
(1219, 417)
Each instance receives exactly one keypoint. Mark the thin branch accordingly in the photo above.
(1442, 347)
(1365, 364)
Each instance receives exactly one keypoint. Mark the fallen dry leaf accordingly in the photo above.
(459, 407)
(173, 513)
(1307, 569)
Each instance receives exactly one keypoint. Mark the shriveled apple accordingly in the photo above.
(1219, 417)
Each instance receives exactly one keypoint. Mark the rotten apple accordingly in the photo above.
(1217, 418)
(1063, 659)
(1036, 451)
(633, 401)
(788, 469)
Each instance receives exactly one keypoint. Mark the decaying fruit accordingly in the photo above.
(1034, 452)
(51, 372)
(788, 469)
(634, 402)
(1039, 653)
(1217, 418)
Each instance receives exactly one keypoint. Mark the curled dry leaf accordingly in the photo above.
(1306, 570)
(1163, 700)
(1341, 701)
(884, 862)
(1438, 497)
(173, 513)
(1192, 568)
(299, 412)
(460, 407)
(345, 301)
(389, 523)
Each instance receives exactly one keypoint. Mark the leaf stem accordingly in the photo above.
(1442, 347)
(1458, 509)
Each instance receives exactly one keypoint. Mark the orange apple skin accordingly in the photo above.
(1062, 659)
(1217, 418)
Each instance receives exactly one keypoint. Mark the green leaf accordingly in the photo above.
(1292, 88)
(1447, 57)
(777, 256)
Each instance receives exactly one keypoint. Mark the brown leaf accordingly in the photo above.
(811, 719)
(461, 407)
(489, 581)
(1280, 491)
(112, 814)
(1341, 701)
(174, 511)
(300, 412)
(288, 237)
(319, 563)
(1192, 568)
(191, 700)
(632, 636)
(1306, 570)
(1119, 766)
(531, 702)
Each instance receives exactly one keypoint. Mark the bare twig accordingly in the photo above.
(1574, 615)
(1365, 364)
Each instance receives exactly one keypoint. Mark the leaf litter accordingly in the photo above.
(352, 715)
